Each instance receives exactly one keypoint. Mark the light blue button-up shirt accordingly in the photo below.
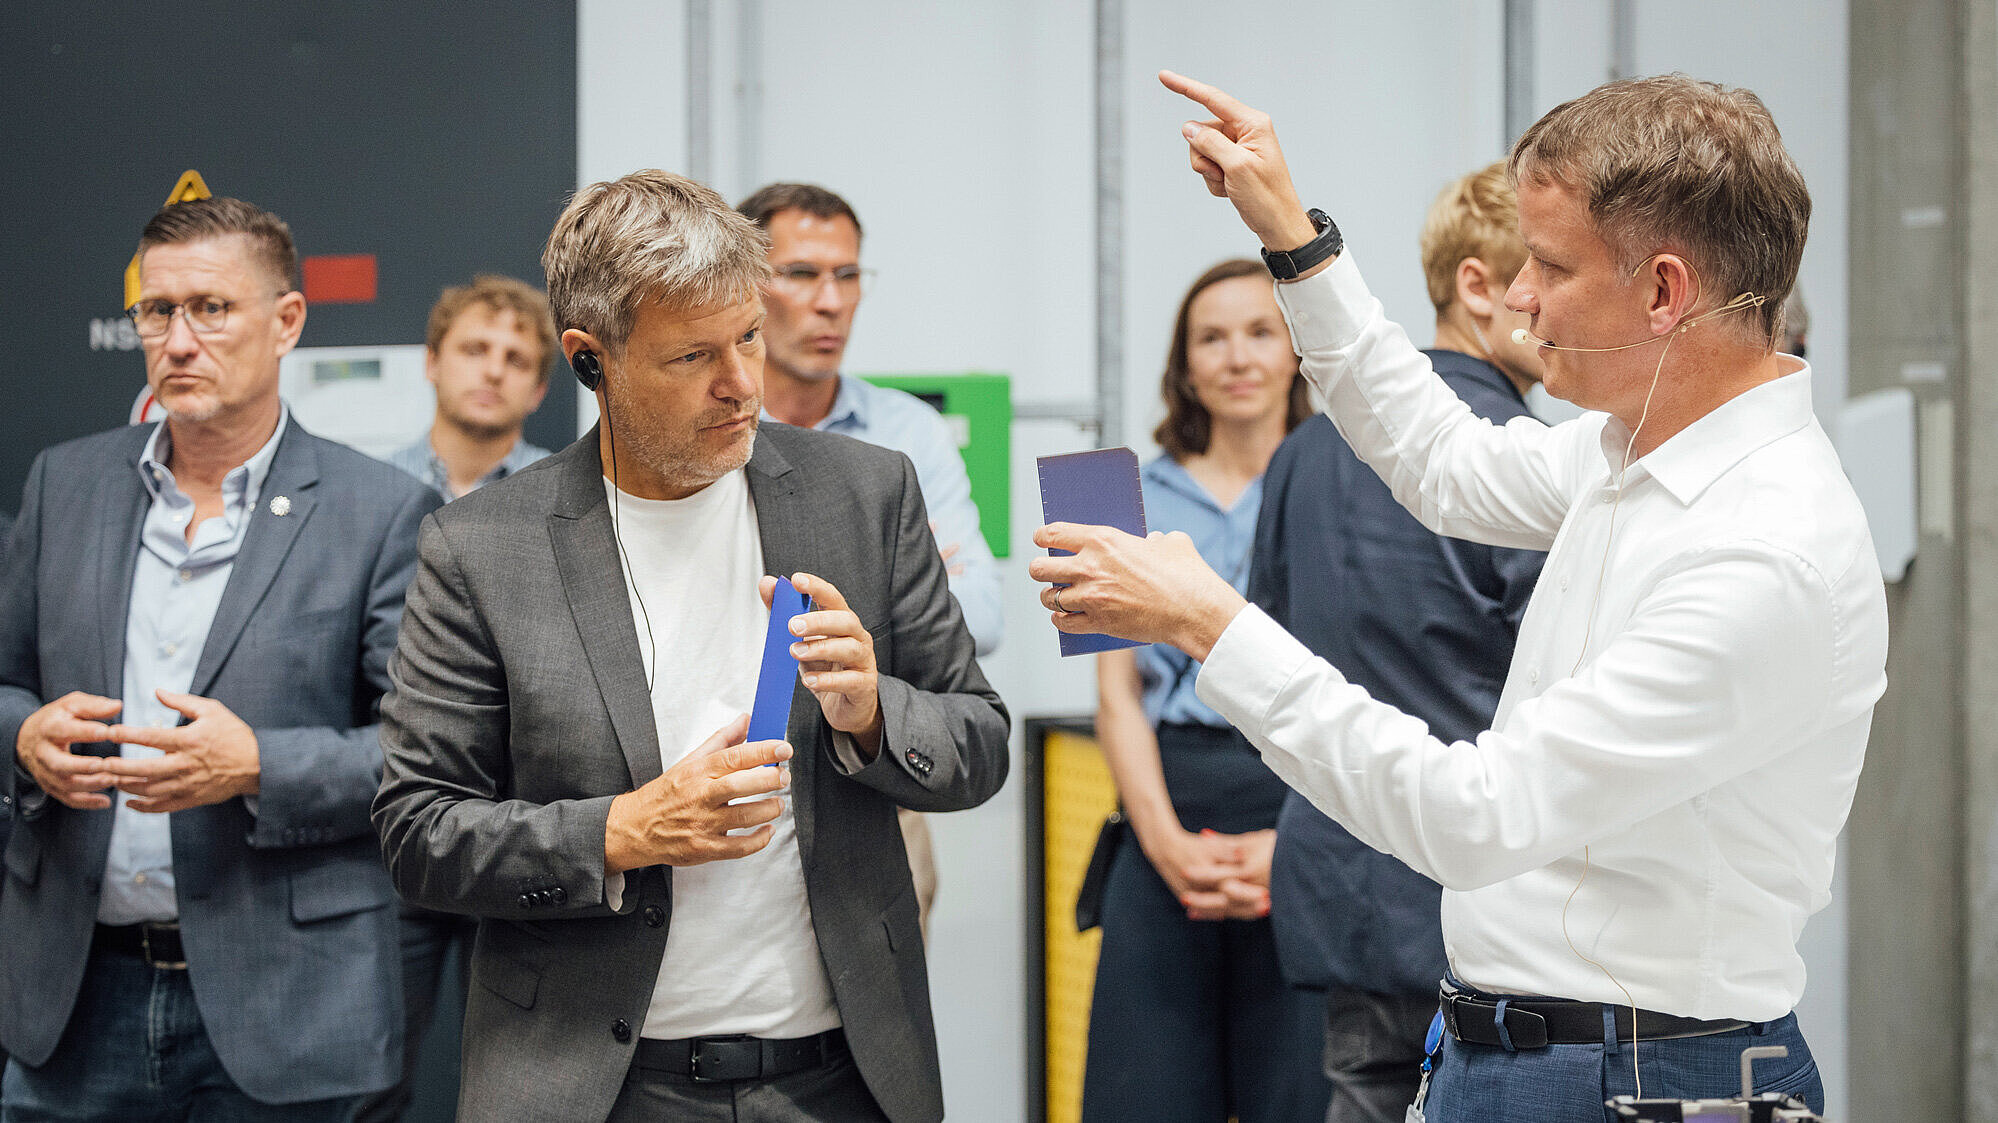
(420, 460)
(176, 588)
(1174, 500)
(901, 421)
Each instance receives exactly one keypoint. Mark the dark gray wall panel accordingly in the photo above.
(440, 138)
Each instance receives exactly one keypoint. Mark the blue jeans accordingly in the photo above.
(1568, 1083)
(428, 938)
(135, 1051)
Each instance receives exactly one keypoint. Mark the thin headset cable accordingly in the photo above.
(1745, 300)
(617, 535)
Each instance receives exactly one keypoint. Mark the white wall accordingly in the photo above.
(963, 136)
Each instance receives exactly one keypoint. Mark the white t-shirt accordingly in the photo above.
(741, 956)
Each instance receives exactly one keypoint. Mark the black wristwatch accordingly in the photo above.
(1327, 244)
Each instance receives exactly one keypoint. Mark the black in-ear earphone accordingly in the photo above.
(590, 372)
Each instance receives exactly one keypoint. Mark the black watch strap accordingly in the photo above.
(1327, 244)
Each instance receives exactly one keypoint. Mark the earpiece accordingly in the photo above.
(589, 369)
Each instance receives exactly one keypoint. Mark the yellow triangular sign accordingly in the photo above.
(190, 186)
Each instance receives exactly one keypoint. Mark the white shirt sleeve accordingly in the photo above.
(1459, 474)
(1728, 663)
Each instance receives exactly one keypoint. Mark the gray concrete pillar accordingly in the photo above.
(1925, 802)
(1977, 438)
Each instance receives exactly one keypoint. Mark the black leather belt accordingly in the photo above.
(735, 1057)
(157, 944)
(1532, 1023)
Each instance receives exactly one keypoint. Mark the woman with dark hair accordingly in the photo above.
(1191, 1019)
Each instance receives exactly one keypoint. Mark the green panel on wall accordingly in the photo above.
(979, 407)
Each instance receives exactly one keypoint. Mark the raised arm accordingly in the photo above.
(1462, 476)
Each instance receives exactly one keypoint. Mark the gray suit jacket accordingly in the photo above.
(285, 915)
(520, 708)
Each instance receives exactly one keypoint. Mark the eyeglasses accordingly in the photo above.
(205, 315)
(804, 280)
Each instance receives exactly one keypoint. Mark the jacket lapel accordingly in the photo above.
(784, 523)
(122, 519)
(579, 529)
(294, 473)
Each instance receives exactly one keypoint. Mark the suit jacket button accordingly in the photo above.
(655, 917)
(527, 900)
(558, 895)
(621, 1030)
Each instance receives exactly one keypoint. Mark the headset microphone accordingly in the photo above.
(1746, 300)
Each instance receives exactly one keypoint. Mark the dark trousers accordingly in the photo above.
(1191, 1020)
(427, 940)
(1373, 1054)
(1568, 1083)
(136, 1051)
(831, 1093)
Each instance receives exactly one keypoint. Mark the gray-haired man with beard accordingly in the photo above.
(668, 929)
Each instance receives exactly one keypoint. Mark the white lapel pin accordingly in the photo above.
(281, 506)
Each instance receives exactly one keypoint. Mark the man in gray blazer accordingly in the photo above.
(195, 625)
(669, 930)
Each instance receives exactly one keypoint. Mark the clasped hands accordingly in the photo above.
(689, 814)
(210, 758)
(1214, 876)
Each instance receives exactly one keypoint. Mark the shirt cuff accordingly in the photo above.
(614, 891)
(1326, 311)
(846, 751)
(1249, 666)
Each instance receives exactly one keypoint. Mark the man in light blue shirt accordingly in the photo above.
(176, 587)
(488, 348)
(809, 305)
(808, 315)
(196, 620)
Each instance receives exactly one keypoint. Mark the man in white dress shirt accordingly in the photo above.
(1629, 854)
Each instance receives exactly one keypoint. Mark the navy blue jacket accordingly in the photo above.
(1425, 624)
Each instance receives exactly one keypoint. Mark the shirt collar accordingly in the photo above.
(1693, 458)
(242, 484)
(849, 405)
(1168, 473)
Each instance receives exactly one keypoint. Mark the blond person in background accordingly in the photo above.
(1425, 623)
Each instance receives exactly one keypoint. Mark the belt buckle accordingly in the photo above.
(146, 949)
(732, 1057)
